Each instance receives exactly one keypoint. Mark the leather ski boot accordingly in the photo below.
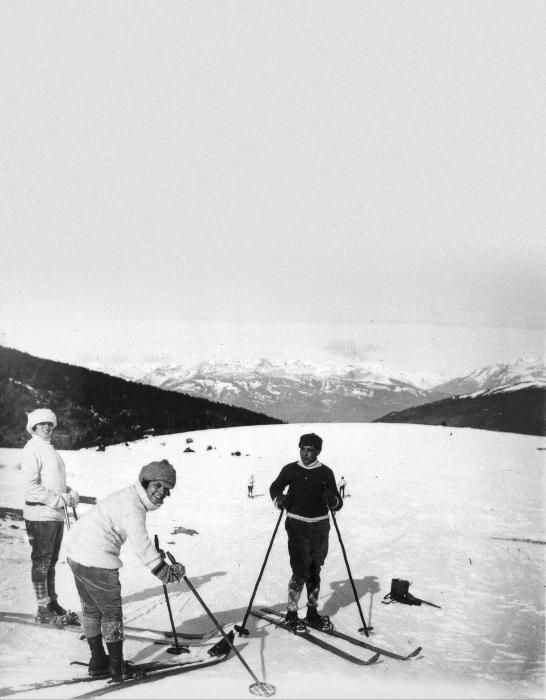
(319, 622)
(99, 664)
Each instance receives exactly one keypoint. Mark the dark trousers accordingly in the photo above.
(100, 595)
(308, 548)
(45, 539)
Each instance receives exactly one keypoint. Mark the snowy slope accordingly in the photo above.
(459, 512)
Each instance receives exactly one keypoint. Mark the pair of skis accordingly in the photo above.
(216, 654)
(137, 633)
(163, 669)
(309, 633)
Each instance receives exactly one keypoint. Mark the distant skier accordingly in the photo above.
(341, 486)
(251, 486)
(312, 491)
(46, 495)
(94, 544)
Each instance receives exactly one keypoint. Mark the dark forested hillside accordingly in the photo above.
(515, 411)
(97, 409)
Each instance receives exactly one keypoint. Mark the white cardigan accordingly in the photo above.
(96, 538)
(45, 479)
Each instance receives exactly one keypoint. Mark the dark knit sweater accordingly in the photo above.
(306, 489)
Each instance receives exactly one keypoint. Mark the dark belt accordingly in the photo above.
(34, 503)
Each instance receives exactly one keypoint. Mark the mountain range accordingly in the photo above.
(99, 408)
(300, 392)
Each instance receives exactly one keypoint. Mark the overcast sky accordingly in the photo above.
(358, 165)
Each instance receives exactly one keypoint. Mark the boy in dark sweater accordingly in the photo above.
(312, 492)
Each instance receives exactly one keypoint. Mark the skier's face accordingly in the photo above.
(157, 492)
(44, 430)
(308, 454)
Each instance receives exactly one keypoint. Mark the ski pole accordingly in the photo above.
(177, 649)
(74, 511)
(365, 627)
(241, 628)
(256, 688)
(66, 516)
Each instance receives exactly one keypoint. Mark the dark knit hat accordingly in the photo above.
(311, 440)
(159, 471)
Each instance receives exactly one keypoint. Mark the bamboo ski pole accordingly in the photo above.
(241, 629)
(176, 649)
(364, 627)
(256, 688)
(66, 516)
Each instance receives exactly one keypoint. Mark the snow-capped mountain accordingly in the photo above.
(506, 397)
(298, 391)
(295, 391)
(528, 372)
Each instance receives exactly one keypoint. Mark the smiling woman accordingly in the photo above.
(157, 479)
(93, 549)
(156, 491)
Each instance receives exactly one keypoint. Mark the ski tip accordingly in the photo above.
(223, 647)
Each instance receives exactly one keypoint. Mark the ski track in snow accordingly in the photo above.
(456, 512)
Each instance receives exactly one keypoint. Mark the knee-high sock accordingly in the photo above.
(295, 587)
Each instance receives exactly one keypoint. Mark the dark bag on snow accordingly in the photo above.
(399, 593)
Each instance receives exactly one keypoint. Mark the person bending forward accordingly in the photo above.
(93, 546)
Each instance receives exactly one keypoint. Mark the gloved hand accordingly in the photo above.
(283, 501)
(329, 498)
(71, 498)
(168, 573)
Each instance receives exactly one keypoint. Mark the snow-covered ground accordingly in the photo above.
(458, 512)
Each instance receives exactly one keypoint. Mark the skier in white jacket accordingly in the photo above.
(46, 495)
(93, 547)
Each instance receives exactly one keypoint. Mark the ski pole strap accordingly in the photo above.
(156, 543)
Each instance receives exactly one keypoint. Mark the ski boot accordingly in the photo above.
(319, 622)
(56, 608)
(99, 664)
(126, 671)
(121, 670)
(293, 622)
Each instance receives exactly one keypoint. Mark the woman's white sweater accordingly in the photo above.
(45, 479)
(96, 538)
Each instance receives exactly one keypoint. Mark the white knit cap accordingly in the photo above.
(40, 415)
